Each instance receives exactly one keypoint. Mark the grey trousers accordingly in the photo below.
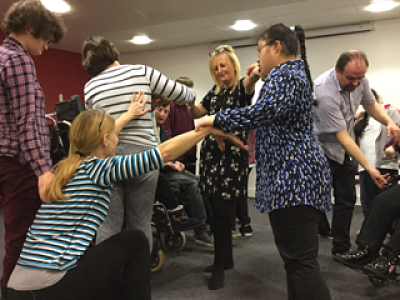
(132, 200)
(186, 186)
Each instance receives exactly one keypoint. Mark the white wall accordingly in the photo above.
(381, 47)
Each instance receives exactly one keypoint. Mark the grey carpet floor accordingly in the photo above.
(258, 272)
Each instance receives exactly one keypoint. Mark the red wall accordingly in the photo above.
(59, 72)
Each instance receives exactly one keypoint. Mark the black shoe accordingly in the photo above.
(246, 230)
(326, 234)
(354, 258)
(380, 267)
(217, 280)
(229, 265)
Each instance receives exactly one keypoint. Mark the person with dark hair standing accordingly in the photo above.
(339, 92)
(179, 121)
(110, 89)
(25, 164)
(372, 137)
(293, 180)
(224, 176)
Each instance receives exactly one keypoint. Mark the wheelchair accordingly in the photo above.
(165, 237)
(395, 275)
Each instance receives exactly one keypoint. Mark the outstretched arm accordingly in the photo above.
(354, 151)
(180, 144)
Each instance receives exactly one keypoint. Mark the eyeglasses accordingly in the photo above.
(258, 50)
(219, 51)
(102, 119)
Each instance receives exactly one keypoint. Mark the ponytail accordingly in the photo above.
(64, 171)
(302, 41)
(86, 134)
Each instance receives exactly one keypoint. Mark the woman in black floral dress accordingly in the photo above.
(223, 175)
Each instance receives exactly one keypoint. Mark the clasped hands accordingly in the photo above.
(207, 123)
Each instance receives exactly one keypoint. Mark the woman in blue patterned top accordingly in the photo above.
(56, 261)
(293, 178)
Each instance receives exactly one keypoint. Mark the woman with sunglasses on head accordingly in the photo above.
(293, 177)
(56, 262)
(223, 176)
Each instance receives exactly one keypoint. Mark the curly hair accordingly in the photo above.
(31, 15)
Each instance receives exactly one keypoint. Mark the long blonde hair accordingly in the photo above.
(228, 50)
(86, 134)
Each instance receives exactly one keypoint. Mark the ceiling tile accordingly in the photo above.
(88, 22)
(312, 5)
(174, 23)
(254, 4)
(200, 9)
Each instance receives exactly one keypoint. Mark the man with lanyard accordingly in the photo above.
(339, 92)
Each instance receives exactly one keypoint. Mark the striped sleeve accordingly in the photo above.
(162, 85)
(108, 171)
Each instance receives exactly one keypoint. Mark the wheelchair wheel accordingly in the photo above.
(376, 281)
(177, 241)
(157, 261)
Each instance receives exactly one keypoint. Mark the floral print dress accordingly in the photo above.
(224, 174)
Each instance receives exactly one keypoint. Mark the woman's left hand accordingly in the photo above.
(221, 136)
(206, 121)
(136, 106)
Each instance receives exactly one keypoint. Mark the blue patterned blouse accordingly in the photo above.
(290, 164)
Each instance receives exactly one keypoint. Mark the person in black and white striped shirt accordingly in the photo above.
(56, 261)
(110, 89)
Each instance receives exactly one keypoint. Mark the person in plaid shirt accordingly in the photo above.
(25, 164)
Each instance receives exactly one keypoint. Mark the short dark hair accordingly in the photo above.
(97, 54)
(348, 56)
(164, 101)
(186, 81)
(32, 15)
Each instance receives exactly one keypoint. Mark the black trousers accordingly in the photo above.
(296, 237)
(343, 181)
(164, 193)
(369, 190)
(241, 211)
(222, 211)
(118, 268)
(385, 209)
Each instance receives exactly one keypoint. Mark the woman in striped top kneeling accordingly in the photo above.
(56, 261)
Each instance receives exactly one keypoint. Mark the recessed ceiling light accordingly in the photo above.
(58, 6)
(381, 5)
(140, 40)
(243, 25)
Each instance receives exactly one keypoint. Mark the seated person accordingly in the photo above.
(182, 182)
(385, 209)
(56, 260)
(176, 211)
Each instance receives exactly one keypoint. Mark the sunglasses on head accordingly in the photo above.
(219, 51)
